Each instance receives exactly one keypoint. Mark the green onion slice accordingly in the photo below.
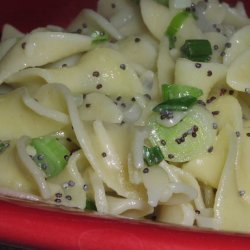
(173, 91)
(90, 205)
(188, 139)
(99, 36)
(198, 50)
(51, 155)
(175, 26)
(153, 155)
(177, 104)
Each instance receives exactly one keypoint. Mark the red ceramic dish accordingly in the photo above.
(33, 226)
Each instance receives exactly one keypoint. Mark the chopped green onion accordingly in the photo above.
(187, 139)
(175, 26)
(198, 50)
(177, 104)
(51, 155)
(90, 205)
(99, 36)
(4, 145)
(173, 91)
(152, 156)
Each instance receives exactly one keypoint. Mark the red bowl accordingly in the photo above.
(29, 225)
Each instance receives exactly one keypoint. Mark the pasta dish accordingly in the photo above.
(139, 109)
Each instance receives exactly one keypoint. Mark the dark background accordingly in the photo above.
(29, 14)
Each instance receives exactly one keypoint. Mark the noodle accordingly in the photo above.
(139, 109)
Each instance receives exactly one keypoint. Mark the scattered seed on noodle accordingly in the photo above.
(58, 195)
(137, 39)
(209, 73)
(242, 192)
(237, 133)
(197, 211)
(201, 102)
(194, 134)
(68, 197)
(163, 142)
(210, 149)
(211, 99)
(99, 86)
(170, 156)
(66, 157)
(178, 140)
(85, 187)
(96, 74)
(71, 183)
(195, 128)
(197, 65)
(223, 91)
(222, 53)
(123, 66)
(215, 112)
(216, 47)
(40, 157)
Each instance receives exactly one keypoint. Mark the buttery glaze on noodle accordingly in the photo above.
(139, 109)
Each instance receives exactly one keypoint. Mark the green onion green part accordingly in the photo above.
(99, 36)
(198, 50)
(51, 156)
(153, 155)
(90, 205)
(174, 91)
(177, 104)
(175, 26)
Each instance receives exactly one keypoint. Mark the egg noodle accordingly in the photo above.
(139, 109)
